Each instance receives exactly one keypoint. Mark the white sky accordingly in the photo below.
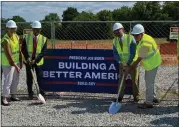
(32, 10)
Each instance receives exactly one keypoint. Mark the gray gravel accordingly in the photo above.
(86, 109)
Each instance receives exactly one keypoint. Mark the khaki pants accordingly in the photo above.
(150, 84)
(11, 80)
(135, 83)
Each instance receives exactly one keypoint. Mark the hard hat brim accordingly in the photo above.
(117, 29)
(12, 27)
(133, 33)
(37, 27)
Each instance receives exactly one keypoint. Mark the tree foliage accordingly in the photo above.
(51, 17)
(70, 14)
(18, 19)
(145, 11)
(122, 14)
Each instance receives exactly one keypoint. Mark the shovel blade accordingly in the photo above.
(114, 107)
(41, 98)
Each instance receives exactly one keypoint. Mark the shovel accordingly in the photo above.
(39, 96)
(115, 106)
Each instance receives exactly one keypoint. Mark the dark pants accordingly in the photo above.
(135, 84)
(29, 78)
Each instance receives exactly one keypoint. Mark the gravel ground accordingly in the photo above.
(85, 109)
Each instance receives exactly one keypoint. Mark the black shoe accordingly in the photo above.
(155, 100)
(119, 99)
(30, 97)
(14, 99)
(145, 106)
(136, 100)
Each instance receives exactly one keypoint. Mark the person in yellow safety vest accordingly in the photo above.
(147, 53)
(124, 48)
(33, 48)
(11, 62)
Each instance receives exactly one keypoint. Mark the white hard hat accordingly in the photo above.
(137, 29)
(11, 24)
(36, 24)
(117, 26)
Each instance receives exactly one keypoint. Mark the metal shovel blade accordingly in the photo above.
(41, 98)
(114, 107)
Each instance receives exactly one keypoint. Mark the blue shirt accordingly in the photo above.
(133, 46)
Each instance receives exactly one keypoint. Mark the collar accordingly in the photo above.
(37, 36)
(122, 38)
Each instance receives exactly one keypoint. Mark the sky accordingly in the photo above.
(32, 10)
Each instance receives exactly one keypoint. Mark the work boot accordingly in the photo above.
(145, 106)
(156, 101)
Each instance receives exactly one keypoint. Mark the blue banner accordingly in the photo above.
(78, 70)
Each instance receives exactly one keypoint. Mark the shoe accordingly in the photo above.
(14, 99)
(155, 100)
(44, 97)
(5, 102)
(30, 97)
(145, 106)
(136, 100)
(119, 99)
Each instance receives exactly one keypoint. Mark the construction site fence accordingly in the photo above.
(99, 35)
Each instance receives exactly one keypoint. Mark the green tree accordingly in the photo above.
(104, 15)
(81, 31)
(105, 28)
(147, 11)
(18, 19)
(172, 9)
(122, 14)
(3, 20)
(49, 24)
(85, 16)
(69, 14)
(51, 17)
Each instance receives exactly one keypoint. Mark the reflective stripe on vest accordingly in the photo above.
(125, 53)
(151, 54)
(14, 48)
(40, 43)
(153, 57)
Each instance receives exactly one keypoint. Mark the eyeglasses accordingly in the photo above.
(136, 35)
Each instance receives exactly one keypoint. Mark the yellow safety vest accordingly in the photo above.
(40, 43)
(125, 53)
(153, 57)
(15, 49)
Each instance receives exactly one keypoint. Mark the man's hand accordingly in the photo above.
(28, 62)
(126, 72)
(33, 62)
(17, 68)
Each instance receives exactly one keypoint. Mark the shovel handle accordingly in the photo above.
(119, 90)
(35, 80)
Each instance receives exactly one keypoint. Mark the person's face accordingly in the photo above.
(36, 31)
(138, 37)
(119, 32)
(11, 30)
